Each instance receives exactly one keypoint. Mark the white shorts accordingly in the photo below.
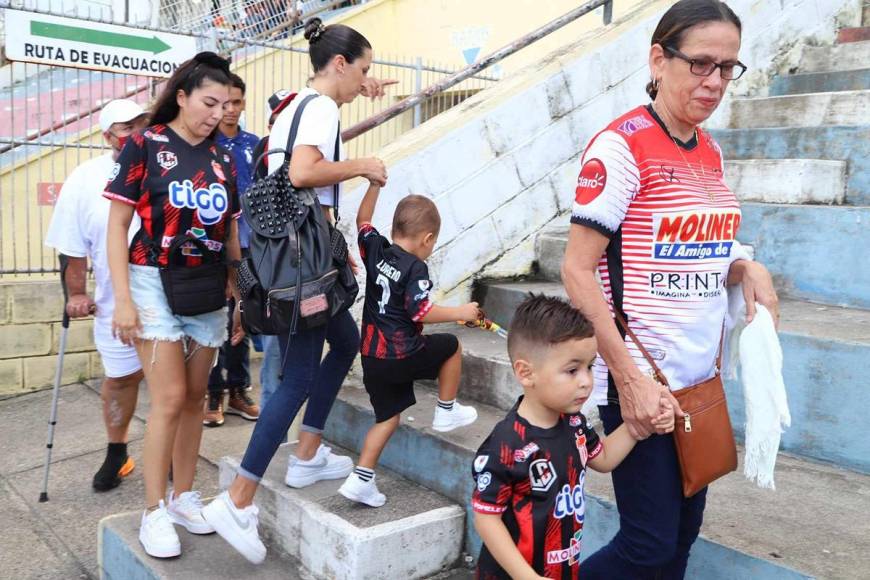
(119, 360)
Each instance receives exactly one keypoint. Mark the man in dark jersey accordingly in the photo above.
(395, 352)
(234, 360)
(529, 505)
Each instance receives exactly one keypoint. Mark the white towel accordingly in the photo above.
(757, 348)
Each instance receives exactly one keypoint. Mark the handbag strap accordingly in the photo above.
(659, 375)
(335, 185)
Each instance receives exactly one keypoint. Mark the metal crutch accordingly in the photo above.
(52, 421)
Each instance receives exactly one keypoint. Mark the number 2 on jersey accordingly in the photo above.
(384, 283)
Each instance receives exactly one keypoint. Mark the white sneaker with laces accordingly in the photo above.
(459, 416)
(362, 491)
(237, 526)
(186, 510)
(157, 535)
(324, 465)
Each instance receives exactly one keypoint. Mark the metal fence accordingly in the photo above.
(48, 124)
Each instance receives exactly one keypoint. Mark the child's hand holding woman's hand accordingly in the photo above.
(664, 421)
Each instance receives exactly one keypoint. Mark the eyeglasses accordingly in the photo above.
(730, 71)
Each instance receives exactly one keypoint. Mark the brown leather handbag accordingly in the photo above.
(703, 437)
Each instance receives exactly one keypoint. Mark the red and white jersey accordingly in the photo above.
(672, 224)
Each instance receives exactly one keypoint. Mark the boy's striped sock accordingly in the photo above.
(364, 473)
(446, 405)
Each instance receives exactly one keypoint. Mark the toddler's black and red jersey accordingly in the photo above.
(161, 174)
(397, 297)
(534, 478)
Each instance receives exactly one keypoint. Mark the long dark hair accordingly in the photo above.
(682, 16)
(189, 76)
(325, 42)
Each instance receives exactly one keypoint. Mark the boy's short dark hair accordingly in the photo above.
(541, 321)
(237, 82)
(416, 214)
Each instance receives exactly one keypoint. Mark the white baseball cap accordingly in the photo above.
(119, 111)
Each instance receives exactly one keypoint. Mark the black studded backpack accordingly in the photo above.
(292, 278)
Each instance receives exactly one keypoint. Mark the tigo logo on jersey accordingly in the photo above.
(591, 181)
(694, 235)
(542, 474)
(483, 481)
(167, 159)
(210, 204)
(571, 501)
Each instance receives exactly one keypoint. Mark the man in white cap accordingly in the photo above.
(78, 232)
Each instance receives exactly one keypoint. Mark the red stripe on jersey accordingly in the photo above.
(526, 525)
(553, 543)
(381, 351)
(425, 307)
(520, 430)
(368, 331)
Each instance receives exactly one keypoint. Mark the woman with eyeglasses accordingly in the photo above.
(654, 219)
(183, 187)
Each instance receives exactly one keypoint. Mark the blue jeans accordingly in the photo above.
(271, 369)
(657, 525)
(306, 376)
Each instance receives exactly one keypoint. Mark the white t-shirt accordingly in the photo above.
(318, 127)
(79, 222)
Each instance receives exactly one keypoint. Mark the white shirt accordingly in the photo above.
(79, 222)
(318, 127)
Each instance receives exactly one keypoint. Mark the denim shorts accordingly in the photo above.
(159, 323)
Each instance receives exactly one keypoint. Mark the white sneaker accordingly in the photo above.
(459, 416)
(362, 491)
(186, 510)
(324, 465)
(237, 527)
(157, 535)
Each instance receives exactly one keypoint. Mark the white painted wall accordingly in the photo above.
(503, 164)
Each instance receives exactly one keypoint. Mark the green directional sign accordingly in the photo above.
(78, 34)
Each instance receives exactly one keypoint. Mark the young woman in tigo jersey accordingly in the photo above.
(173, 174)
(341, 58)
(654, 217)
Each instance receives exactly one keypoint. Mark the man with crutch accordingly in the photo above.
(78, 232)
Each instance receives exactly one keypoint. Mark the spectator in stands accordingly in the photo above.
(78, 232)
(649, 170)
(234, 359)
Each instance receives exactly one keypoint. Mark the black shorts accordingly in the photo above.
(390, 381)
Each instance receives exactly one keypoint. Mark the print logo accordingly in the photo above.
(694, 235)
(591, 181)
(210, 204)
(707, 284)
(521, 455)
(571, 501)
(483, 481)
(218, 170)
(166, 159)
(633, 125)
(480, 462)
(542, 474)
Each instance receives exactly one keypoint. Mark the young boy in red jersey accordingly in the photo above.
(395, 352)
(529, 503)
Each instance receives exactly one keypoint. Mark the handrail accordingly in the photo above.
(473, 69)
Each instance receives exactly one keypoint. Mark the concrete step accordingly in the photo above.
(817, 253)
(820, 82)
(839, 57)
(774, 546)
(857, 34)
(850, 144)
(417, 534)
(788, 180)
(550, 250)
(810, 110)
(122, 557)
